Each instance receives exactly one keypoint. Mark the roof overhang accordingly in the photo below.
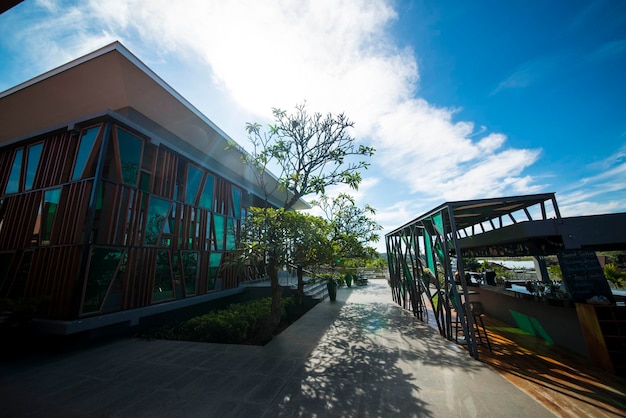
(113, 79)
(488, 227)
(469, 213)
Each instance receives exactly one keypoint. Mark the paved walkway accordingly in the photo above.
(361, 356)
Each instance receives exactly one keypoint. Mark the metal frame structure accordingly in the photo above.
(425, 254)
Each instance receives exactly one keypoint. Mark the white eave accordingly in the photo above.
(113, 79)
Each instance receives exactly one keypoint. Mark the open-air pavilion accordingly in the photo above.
(427, 272)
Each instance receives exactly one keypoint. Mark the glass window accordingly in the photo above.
(230, 234)
(208, 233)
(163, 288)
(157, 215)
(190, 271)
(32, 162)
(235, 210)
(144, 181)
(13, 186)
(214, 267)
(147, 161)
(113, 299)
(194, 176)
(177, 275)
(170, 228)
(103, 266)
(193, 223)
(179, 185)
(87, 140)
(206, 198)
(130, 155)
(2, 211)
(48, 213)
(218, 224)
(21, 276)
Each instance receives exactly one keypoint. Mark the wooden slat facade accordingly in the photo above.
(82, 204)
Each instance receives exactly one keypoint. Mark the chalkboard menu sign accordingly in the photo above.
(583, 275)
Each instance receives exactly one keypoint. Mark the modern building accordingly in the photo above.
(118, 198)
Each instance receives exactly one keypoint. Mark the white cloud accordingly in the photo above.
(336, 55)
(423, 146)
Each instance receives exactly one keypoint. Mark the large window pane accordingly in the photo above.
(2, 212)
(19, 284)
(194, 176)
(214, 267)
(206, 198)
(230, 234)
(103, 266)
(32, 162)
(163, 288)
(190, 271)
(130, 155)
(235, 210)
(48, 213)
(87, 140)
(13, 186)
(113, 300)
(157, 215)
(219, 224)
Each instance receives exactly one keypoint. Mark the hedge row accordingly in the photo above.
(237, 324)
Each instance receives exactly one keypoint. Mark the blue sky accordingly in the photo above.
(461, 99)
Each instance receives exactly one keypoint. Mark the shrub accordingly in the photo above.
(237, 324)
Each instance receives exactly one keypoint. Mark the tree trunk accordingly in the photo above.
(266, 333)
(300, 293)
(277, 292)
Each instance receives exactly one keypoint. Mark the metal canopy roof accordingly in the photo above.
(469, 213)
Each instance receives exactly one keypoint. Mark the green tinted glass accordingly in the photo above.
(194, 176)
(214, 267)
(102, 267)
(206, 198)
(48, 213)
(157, 215)
(130, 155)
(13, 186)
(190, 271)
(163, 288)
(230, 235)
(87, 140)
(236, 202)
(34, 154)
(218, 224)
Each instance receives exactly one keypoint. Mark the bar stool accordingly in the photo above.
(478, 312)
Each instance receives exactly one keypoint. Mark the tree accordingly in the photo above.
(471, 264)
(352, 228)
(262, 240)
(308, 244)
(312, 153)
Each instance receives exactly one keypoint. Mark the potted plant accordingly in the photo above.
(332, 285)
(348, 279)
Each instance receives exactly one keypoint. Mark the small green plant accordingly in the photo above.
(615, 277)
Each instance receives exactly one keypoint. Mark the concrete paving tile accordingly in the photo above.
(361, 356)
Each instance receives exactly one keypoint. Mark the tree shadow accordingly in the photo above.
(369, 362)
